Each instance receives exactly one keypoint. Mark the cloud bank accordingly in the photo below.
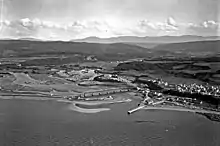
(103, 28)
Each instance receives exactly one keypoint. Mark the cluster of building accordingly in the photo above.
(192, 95)
(77, 75)
(192, 88)
(97, 95)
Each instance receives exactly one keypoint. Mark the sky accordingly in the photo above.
(72, 19)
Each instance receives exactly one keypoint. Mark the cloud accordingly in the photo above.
(171, 21)
(35, 27)
(85, 28)
(171, 27)
(147, 27)
(26, 22)
(210, 24)
(101, 28)
(37, 23)
(5, 23)
(74, 25)
(18, 28)
(209, 27)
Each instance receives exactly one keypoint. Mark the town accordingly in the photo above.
(154, 93)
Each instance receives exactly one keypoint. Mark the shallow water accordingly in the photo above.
(52, 123)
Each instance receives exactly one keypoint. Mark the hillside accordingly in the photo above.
(116, 51)
(192, 48)
(25, 48)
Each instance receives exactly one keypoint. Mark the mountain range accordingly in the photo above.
(148, 41)
(27, 48)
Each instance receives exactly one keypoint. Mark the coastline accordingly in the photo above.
(181, 109)
(95, 106)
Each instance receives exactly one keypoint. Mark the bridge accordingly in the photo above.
(99, 93)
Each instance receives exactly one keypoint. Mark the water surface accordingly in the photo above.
(52, 123)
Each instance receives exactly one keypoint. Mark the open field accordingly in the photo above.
(25, 80)
(196, 71)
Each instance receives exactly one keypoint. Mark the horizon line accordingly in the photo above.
(53, 39)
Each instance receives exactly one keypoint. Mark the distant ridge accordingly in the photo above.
(148, 39)
(24, 38)
(30, 39)
(115, 51)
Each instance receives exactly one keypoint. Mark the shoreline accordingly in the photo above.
(73, 105)
(27, 97)
(100, 103)
(181, 110)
